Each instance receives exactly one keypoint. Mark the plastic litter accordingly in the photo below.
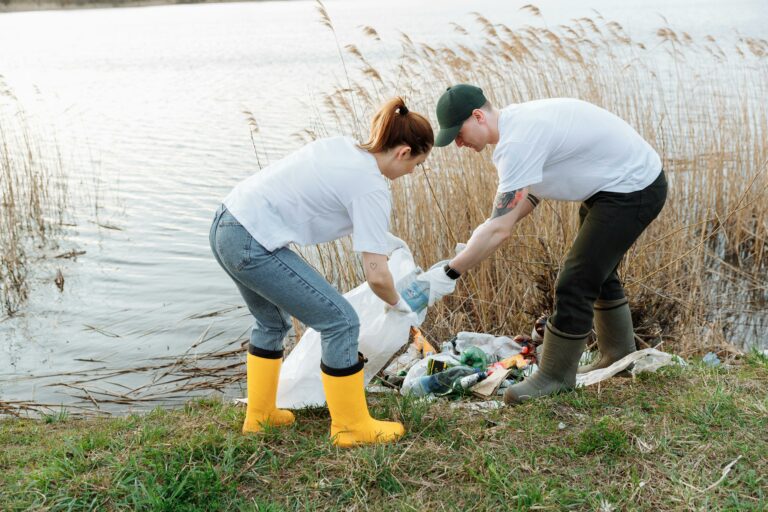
(646, 360)
(474, 357)
(537, 334)
(494, 359)
(499, 346)
(441, 383)
(420, 369)
(490, 405)
(414, 291)
(419, 347)
(711, 359)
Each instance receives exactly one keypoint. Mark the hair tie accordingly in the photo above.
(402, 110)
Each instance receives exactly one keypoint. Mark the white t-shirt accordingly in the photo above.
(326, 190)
(569, 149)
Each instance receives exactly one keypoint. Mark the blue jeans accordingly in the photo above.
(279, 284)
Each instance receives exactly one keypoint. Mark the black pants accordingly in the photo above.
(609, 223)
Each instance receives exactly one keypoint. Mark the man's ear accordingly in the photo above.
(479, 115)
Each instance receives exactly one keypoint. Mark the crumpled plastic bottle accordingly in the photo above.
(414, 291)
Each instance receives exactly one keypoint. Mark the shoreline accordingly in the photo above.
(683, 438)
(68, 5)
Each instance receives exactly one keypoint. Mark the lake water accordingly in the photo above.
(147, 105)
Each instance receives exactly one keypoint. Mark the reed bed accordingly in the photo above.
(33, 198)
(695, 279)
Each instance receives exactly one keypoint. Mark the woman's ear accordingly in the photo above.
(404, 152)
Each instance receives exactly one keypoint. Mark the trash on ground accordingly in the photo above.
(488, 387)
(646, 360)
(380, 389)
(499, 346)
(711, 359)
(490, 405)
(480, 369)
(474, 357)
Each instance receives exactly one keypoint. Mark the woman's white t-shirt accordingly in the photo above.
(568, 149)
(324, 191)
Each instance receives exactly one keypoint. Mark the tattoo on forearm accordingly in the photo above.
(506, 201)
(373, 266)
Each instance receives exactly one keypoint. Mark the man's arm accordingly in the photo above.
(508, 208)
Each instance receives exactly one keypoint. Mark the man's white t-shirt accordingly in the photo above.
(324, 191)
(569, 149)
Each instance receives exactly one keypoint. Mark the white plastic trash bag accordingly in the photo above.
(381, 335)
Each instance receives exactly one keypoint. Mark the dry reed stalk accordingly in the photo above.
(33, 197)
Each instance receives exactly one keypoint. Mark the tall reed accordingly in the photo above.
(33, 197)
(694, 278)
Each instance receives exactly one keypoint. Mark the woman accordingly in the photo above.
(328, 189)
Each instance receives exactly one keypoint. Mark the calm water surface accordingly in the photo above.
(147, 106)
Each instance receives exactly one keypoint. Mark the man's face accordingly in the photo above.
(474, 132)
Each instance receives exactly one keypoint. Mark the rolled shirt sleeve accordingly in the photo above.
(370, 222)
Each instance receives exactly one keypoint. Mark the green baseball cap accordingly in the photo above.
(453, 108)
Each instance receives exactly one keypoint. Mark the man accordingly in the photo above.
(571, 150)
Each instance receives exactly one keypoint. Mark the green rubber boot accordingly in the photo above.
(615, 336)
(557, 367)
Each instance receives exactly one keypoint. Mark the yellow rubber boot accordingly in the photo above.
(351, 423)
(263, 371)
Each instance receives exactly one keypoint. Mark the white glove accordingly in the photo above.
(400, 307)
(440, 284)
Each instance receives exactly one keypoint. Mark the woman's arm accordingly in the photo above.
(379, 278)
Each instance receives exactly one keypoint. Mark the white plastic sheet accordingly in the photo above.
(499, 347)
(646, 360)
(381, 335)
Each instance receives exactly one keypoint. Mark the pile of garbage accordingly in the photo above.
(469, 364)
(473, 363)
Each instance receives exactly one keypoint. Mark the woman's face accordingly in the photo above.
(404, 163)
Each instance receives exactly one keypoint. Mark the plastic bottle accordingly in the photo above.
(414, 291)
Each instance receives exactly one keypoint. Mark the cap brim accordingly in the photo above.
(447, 135)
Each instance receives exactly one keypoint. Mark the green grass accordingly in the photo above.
(655, 443)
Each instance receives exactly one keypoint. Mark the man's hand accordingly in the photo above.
(440, 284)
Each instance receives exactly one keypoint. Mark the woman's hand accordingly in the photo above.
(400, 307)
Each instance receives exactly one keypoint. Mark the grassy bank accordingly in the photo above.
(686, 438)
